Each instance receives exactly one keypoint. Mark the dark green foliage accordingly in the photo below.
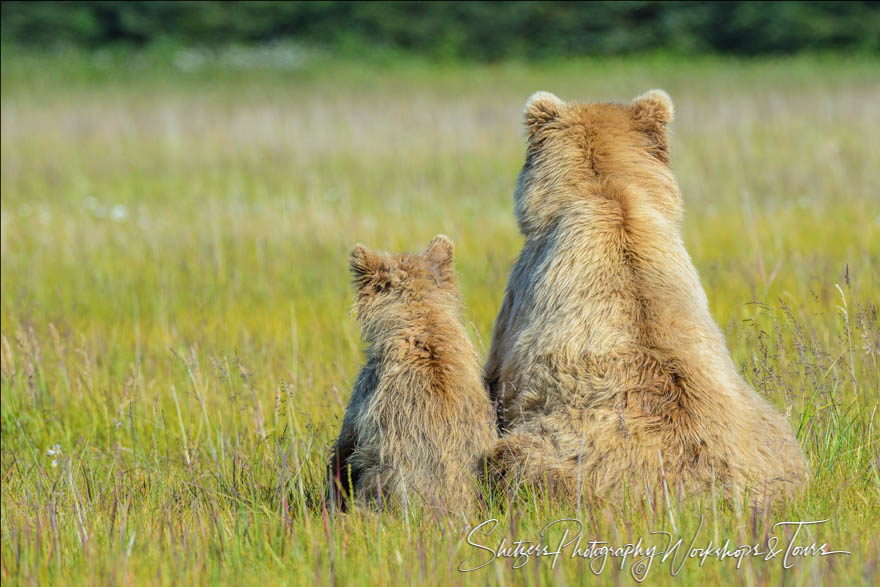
(466, 30)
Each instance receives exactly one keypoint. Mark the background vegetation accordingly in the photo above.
(462, 30)
(175, 329)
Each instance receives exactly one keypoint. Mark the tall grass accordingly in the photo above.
(176, 307)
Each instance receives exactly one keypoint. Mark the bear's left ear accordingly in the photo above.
(652, 112)
(364, 263)
(440, 253)
(540, 109)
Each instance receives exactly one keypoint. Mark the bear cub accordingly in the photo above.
(419, 422)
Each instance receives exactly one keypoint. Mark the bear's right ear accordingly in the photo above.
(540, 109)
(364, 263)
(652, 112)
(440, 253)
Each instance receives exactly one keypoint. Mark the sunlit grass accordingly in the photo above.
(176, 303)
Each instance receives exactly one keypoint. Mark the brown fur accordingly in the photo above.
(608, 369)
(419, 422)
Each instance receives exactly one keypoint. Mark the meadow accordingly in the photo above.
(178, 345)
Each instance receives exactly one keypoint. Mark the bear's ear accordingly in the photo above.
(653, 106)
(439, 254)
(652, 112)
(540, 109)
(364, 263)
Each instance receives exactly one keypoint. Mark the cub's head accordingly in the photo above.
(393, 288)
(594, 150)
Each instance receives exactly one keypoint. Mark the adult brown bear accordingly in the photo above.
(610, 374)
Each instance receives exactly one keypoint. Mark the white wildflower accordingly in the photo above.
(119, 212)
(54, 452)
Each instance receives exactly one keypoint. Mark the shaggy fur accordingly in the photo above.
(608, 370)
(419, 422)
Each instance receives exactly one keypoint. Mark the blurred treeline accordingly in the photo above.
(460, 30)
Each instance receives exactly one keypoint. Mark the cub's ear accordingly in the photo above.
(540, 109)
(652, 112)
(440, 253)
(364, 263)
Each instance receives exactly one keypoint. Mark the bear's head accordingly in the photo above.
(395, 288)
(595, 150)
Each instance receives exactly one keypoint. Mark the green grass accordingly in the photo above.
(176, 306)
